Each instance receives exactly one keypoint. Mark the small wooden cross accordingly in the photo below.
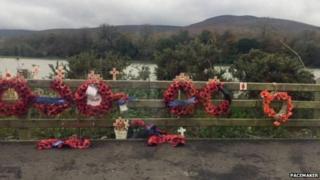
(93, 76)
(215, 79)
(60, 72)
(182, 130)
(114, 73)
(182, 77)
(7, 74)
(35, 72)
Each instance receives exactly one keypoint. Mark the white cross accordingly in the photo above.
(182, 130)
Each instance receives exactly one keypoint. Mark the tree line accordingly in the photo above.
(145, 44)
(196, 54)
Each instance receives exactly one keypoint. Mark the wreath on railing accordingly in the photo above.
(205, 95)
(54, 106)
(25, 96)
(286, 110)
(181, 107)
(103, 97)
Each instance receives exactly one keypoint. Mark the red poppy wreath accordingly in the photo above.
(25, 96)
(205, 96)
(93, 97)
(54, 106)
(181, 107)
(286, 110)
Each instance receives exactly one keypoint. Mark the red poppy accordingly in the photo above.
(26, 97)
(280, 117)
(171, 94)
(64, 92)
(205, 96)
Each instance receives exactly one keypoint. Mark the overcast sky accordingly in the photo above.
(46, 14)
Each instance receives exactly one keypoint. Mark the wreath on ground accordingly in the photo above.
(205, 95)
(54, 106)
(25, 96)
(286, 110)
(104, 92)
(181, 107)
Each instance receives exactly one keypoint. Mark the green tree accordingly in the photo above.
(81, 64)
(106, 39)
(244, 45)
(227, 44)
(206, 37)
(125, 46)
(182, 37)
(259, 66)
(195, 58)
(307, 44)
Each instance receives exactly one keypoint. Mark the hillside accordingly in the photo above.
(251, 25)
(14, 32)
(241, 25)
(135, 29)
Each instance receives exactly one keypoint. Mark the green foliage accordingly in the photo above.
(227, 43)
(53, 69)
(196, 58)
(81, 64)
(109, 39)
(308, 46)
(244, 45)
(259, 66)
(182, 37)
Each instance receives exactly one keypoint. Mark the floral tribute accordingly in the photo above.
(73, 142)
(55, 106)
(21, 105)
(205, 95)
(286, 110)
(121, 127)
(103, 97)
(155, 135)
(181, 107)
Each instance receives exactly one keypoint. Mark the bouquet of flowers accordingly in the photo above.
(121, 127)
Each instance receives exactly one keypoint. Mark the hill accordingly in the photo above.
(240, 25)
(14, 32)
(251, 25)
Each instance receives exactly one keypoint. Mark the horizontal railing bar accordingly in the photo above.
(164, 84)
(158, 103)
(72, 123)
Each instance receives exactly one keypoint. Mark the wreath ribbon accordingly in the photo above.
(178, 102)
(49, 100)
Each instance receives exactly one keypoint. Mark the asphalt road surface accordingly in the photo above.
(199, 159)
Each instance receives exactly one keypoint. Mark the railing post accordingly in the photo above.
(25, 133)
(317, 98)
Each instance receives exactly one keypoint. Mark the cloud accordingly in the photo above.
(39, 14)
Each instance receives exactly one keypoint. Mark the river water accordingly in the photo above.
(12, 64)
